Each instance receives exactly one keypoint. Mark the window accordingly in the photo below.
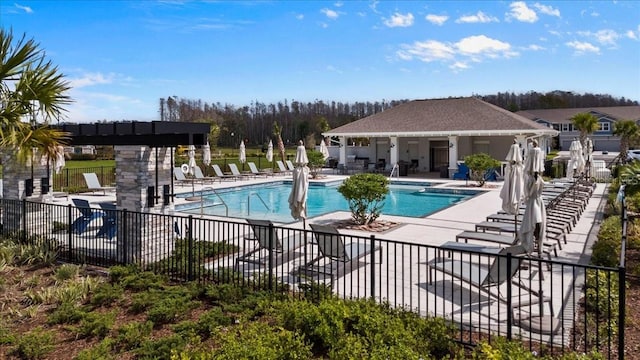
(567, 127)
(604, 126)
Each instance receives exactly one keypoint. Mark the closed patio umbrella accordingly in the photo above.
(270, 151)
(324, 150)
(512, 189)
(576, 159)
(300, 185)
(60, 162)
(532, 228)
(243, 154)
(206, 154)
(192, 159)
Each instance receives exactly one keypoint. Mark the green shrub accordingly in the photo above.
(141, 301)
(35, 344)
(170, 308)
(258, 340)
(479, 164)
(606, 250)
(177, 264)
(119, 272)
(132, 335)
(206, 324)
(316, 292)
(95, 325)
(106, 293)
(365, 194)
(101, 351)
(143, 281)
(66, 313)
(602, 290)
(66, 272)
(161, 348)
(6, 336)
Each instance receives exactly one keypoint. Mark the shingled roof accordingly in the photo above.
(440, 117)
(560, 116)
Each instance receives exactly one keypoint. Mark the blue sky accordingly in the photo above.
(122, 56)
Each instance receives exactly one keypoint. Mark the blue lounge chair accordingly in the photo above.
(462, 173)
(87, 214)
(109, 221)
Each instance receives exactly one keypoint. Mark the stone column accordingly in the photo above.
(453, 155)
(16, 176)
(141, 174)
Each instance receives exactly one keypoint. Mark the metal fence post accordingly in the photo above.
(621, 310)
(70, 233)
(125, 220)
(190, 249)
(270, 261)
(509, 301)
(23, 236)
(373, 266)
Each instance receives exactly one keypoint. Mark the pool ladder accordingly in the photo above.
(261, 200)
(216, 194)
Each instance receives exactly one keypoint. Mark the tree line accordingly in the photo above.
(254, 123)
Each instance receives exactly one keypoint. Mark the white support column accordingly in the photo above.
(453, 154)
(393, 150)
(522, 141)
(343, 150)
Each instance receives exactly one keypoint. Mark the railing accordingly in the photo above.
(71, 180)
(403, 274)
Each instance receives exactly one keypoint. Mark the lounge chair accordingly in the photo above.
(290, 165)
(271, 247)
(502, 240)
(283, 169)
(179, 175)
(197, 173)
(256, 172)
(335, 257)
(221, 175)
(462, 173)
(94, 184)
(109, 221)
(497, 272)
(236, 172)
(552, 233)
(484, 277)
(87, 215)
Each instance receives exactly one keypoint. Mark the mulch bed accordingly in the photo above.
(378, 226)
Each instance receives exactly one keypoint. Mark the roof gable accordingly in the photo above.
(559, 116)
(440, 116)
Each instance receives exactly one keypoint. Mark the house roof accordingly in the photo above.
(559, 116)
(442, 117)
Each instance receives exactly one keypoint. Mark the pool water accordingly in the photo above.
(271, 201)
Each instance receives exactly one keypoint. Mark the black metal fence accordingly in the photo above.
(551, 306)
(71, 180)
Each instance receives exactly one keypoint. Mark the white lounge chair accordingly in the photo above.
(221, 175)
(272, 247)
(236, 172)
(290, 165)
(283, 169)
(94, 184)
(256, 172)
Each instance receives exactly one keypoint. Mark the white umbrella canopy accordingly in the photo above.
(243, 154)
(324, 150)
(576, 163)
(270, 151)
(534, 218)
(59, 162)
(192, 159)
(206, 154)
(512, 189)
(300, 184)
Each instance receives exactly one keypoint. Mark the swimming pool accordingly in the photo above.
(271, 200)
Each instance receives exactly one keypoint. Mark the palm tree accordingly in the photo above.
(277, 132)
(627, 130)
(586, 123)
(30, 88)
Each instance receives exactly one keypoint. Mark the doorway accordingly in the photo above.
(439, 155)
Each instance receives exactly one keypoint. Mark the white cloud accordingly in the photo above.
(548, 10)
(604, 37)
(521, 12)
(459, 54)
(427, 51)
(399, 20)
(437, 19)
(331, 14)
(338, 4)
(534, 47)
(91, 79)
(480, 17)
(580, 47)
(26, 9)
(485, 46)
(333, 69)
(299, 16)
(633, 35)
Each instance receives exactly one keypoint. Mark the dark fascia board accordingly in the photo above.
(154, 133)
